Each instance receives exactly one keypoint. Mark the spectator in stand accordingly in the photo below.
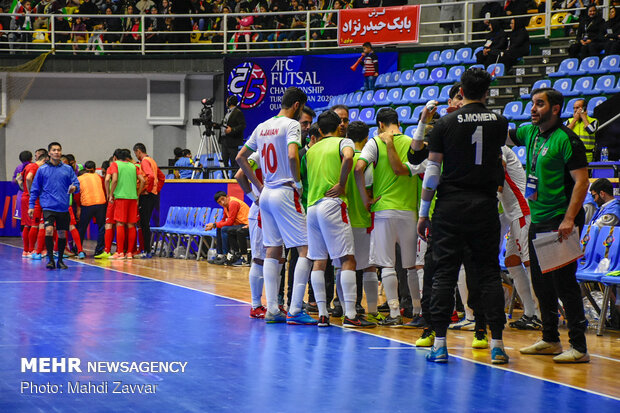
(144, 6)
(608, 213)
(165, 7)
(186, 161)
(371, 66)
(63, 29)
(495, 44)
(78, 34)
(88, 7)
(92, 204)
(590, 35)
(279, 22)
(584, 126)
(128, 24)
(360, 4)
(155, 24)
(489, 9)
(232, 132)
(262, 22)
(244, 25)
(235, 216)
(108, 4)
(518, 43)
(450, 17)
(612, 35)
(516, 7)
(113, 27)
(5, 24)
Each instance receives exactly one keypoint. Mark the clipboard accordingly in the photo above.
(553, 254)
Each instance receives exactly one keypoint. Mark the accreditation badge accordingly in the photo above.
(531, 188)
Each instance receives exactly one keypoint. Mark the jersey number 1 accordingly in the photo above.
(476, 139)
(271, 160)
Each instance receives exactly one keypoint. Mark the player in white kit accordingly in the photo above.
(278, 140)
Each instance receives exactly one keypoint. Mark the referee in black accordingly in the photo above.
(468, 143)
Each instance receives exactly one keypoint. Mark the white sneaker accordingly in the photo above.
(572, 356)
(464, 324)
(543, 347)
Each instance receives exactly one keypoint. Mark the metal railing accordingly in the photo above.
(137, 33)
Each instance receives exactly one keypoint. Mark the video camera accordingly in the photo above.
(206, 115)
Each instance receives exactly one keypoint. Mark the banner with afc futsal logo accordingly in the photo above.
(383, 25)
(260, 82)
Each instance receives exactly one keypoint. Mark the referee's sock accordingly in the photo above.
(49, 244)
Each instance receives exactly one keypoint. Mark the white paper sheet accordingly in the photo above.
(553, 254)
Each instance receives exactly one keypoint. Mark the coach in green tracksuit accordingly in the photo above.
(556, 188)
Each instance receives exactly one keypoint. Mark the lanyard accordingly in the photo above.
(535, 155)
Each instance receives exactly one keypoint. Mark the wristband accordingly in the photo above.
(298, 185)
(252, 196)
(425, 207)
(418, 135)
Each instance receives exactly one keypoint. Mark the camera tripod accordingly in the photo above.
(210, 147)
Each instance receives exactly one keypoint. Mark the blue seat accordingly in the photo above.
(415, 116)
(589, 65)
(444, 95)
(406, 78)
(215, 215)
(395, 96)
(521, 153)
(472, 59)
(594, 102)
(605, 85)
(170, 176)
(357, 98)
(442, 110)
(526, 114)
(410, 130)
(538, 84)
(610, 64)
(381, 80)
(496, 69)
(588, 238)
(447, 57)
(429, 93)
(367, 98)
(607, 245)
(404, 113)
(513, 109)
(411, 95)
(431, 60)
(463, 55)
(394, 79)
(372, 132)
(380, 97)
(568, 67)
(354, 113)
(583, 86)
(438, 74)
(333, 101)
(609, 282)
(367, 115)
(218, 175)
(170, 218)
(420, 77)
(512, 125)
(563, 85)
(454, 75)
(568, 108)
(477, 66)
(349, 100)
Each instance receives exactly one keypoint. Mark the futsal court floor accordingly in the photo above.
(166, 310)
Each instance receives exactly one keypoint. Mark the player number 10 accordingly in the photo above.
(269, 155)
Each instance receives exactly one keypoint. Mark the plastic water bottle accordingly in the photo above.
(604, 154)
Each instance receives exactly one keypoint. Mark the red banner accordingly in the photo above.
(381, 25)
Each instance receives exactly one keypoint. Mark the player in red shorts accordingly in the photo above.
(31, 225)
(109, 215)
(124, 194)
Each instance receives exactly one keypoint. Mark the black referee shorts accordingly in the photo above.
(61, 219)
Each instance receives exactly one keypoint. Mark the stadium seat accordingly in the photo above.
(406, 78)
(404, 113)
(512, 125)
(513, 109)
(411, 95)
(605, 246)
(442, 110)
(420, 77)
(463, 56)
(563, 85)
(454, 75)
(568, 67)
(610, 64)
(526, 114)
(609, 282)
(394, 79)
(438, 74)
(568, 108)
(589, 65)
(354, 113)
(521, 153)
(477, 66)
(380, 97)
(473, 60)
(367, 98)
(372, 132)
(357, 98)
(431, 60)
(415, 116)
(333, 100)
(496, 69)
(605, 85)
(444, 95)
(429, 93)
(594, 102)
(349, 100)
(381, 80)
(395, 96)
(583, 86)
(367, 115)
(410, 130)
(538, 84)
(447, 57)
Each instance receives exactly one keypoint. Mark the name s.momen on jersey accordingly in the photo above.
(477, 117)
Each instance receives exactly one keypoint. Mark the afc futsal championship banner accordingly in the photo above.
(260, 82)
(382, 25)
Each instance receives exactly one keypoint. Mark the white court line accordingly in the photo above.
(233, 305)
(605, 357)
(366, 332)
